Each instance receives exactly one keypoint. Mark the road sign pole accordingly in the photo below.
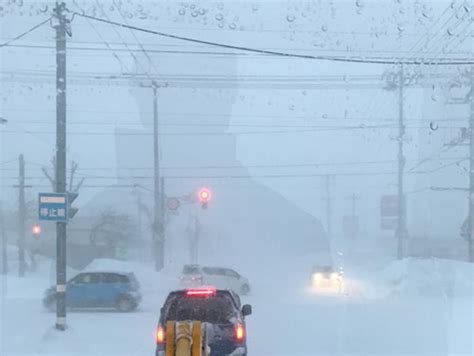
(60, 162)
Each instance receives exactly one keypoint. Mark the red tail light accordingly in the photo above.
(239, 332)
(160, 335)
(201, 292)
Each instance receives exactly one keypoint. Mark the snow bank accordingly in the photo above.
(421, 277)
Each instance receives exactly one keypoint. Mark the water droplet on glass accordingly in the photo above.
(254, 7)
(324, 28)
(221, 25)
(202, 11)
(193, 6)
(290, 18)
(450, 32)
(232, 26)
(433, 97)
(194, 14)
(182, 12)
(111, 8)
(291, 107)
(400, 29)
(359, 3)
(219, 17)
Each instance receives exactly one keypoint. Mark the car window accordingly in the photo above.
(191, 270)
(211, 270)
(79, 279)
(218, 309)
(114, 278)
(96, 278)
(231, 273)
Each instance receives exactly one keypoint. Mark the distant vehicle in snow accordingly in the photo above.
(220, 312)
(324, 278)
(99, 290)
(225, 278)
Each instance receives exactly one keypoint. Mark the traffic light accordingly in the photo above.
(204, 197)
(36, 230)
(71, 211)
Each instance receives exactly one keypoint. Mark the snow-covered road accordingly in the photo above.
(285, 322)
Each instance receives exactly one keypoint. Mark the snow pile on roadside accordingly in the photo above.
(423, 278)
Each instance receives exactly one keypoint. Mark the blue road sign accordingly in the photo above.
(52, 207)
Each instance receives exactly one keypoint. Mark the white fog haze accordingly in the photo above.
(312, 159)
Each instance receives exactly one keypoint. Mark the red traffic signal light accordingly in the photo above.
(204, 197)
(36, 230)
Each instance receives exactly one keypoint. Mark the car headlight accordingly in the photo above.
(317, 277)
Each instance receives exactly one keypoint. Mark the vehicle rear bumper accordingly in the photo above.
(240, 351)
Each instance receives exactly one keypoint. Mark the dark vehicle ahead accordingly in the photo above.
(99, 290)
(219, 310)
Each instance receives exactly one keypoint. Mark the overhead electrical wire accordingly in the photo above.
(278, 53)
(30, 30)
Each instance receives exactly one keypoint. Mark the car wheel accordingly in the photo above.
(125, 304)
(245, 289)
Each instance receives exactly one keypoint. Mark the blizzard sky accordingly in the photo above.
(290, 99)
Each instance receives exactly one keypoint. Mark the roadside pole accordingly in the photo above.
(158, 242)
(21, 217)
(471, 170)
(60, 161)
(401, 224)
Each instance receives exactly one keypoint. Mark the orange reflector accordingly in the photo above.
(160, 334)
(239, 332)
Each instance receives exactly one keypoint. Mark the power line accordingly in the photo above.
(217, 133)
(5, 44)
(276, 53)
(230, 125)
(99, 34)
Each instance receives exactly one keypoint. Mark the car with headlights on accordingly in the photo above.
(325, 278)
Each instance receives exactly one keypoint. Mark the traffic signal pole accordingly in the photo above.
(60, 162)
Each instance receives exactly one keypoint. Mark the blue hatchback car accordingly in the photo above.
(99, 290)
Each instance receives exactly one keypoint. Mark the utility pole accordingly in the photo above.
(21, 217)
(158, 242)
(471, 168)
(328, 206)
(401, 223)
(4, 241)
(162, 215)
(60, 26)
(2, 228)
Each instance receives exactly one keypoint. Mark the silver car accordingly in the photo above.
(221, 278)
